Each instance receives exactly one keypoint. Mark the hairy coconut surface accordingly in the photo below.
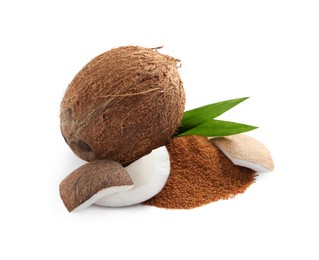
(123, 104)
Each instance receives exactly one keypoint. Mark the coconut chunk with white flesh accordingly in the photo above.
(93, 181)
(245, 151)
(149, 175)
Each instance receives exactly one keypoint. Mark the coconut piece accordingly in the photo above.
(122, 105)
(245, 151)
(93, 181)
(149, 175)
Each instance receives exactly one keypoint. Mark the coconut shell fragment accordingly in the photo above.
(92, 181)
(149, 175)
(245, 151)
(122, 105)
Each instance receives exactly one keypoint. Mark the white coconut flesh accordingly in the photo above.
(245, 151)
(149, 175)
(101, 194)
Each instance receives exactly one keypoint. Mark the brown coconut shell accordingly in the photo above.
(91, 178)
(123, 104)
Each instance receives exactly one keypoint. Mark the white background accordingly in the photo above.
(268, 50)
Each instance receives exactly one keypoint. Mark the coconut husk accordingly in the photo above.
(123, 104)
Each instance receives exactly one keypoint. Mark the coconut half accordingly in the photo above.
(149, 175)
(245, 151)
(93, 181)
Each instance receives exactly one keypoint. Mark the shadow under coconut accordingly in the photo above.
(70, 163)
(112, 210)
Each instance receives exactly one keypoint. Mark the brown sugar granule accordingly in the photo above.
(200, 174)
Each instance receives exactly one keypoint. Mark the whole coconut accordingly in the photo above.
(123, 104)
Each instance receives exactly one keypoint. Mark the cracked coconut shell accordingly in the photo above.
(122, 105)
(93, 181)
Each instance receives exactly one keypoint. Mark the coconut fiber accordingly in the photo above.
(122, 105)
(200, 174)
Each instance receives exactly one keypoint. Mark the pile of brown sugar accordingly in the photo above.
(200, 174)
